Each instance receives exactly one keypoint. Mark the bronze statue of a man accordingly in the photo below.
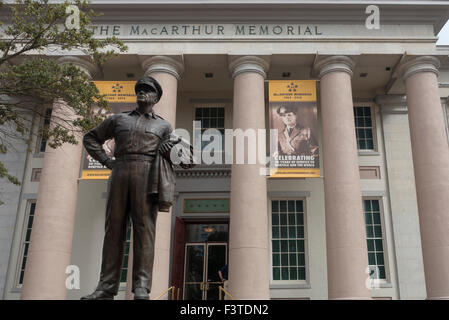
(142, 139)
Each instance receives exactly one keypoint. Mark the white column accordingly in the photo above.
(430, 152)
(347, 257)
(167, 71)
(248, 230)
(51, 239)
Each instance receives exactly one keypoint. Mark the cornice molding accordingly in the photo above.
(322, 2)
(205, 172)
(335, 11)
(392, 103)
(390, 100)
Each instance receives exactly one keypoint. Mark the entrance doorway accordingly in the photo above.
(205, 253)
(202, 262)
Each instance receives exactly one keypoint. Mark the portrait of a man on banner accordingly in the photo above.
(293, 116)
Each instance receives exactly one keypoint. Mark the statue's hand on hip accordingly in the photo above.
(169, 144)
(110, 163)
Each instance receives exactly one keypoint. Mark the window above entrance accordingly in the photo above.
(206, 232)
(206, 205)
(212, 119)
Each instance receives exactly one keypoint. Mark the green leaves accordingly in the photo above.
(4, 173)
(31, 80)
(38, 25)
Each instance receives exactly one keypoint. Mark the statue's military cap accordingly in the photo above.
(149, 81)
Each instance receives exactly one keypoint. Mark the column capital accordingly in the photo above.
(85, 65)
(334, 64)
(419, 64)
(248, 64)
(163, 64)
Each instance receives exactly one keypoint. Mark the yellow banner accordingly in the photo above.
(293, 115)
(292, 90)
(117, 91)
(294, 173)
(95, 174)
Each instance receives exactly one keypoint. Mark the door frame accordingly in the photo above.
(179, 246)
(206, 246)
(206, 262)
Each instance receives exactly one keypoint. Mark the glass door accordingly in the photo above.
(216, 258)
(202, 262)
(194, 271)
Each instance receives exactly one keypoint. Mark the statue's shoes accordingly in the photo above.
(140, 294)
(99, 295)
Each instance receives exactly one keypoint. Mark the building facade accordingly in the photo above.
(373, 225)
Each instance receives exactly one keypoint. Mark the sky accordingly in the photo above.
(444, 35)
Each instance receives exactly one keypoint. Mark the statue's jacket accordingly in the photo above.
(137, 134)
(163, 182)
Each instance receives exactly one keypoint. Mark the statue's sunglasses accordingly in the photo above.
(146, 88)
